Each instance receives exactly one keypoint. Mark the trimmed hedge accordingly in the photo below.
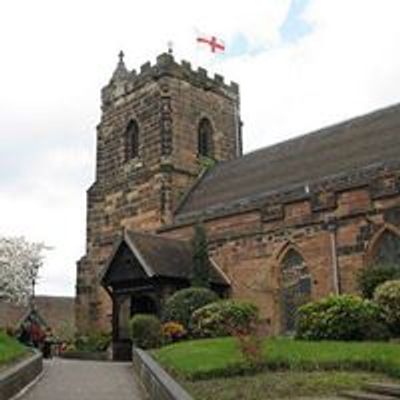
(146, 331)
(344, 317)
(223, 318)
(221, 357)
(387, 296)
(181, 305)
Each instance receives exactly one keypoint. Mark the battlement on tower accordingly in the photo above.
(165, 66)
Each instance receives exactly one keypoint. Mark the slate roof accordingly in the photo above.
(163, 257)
(342, 148)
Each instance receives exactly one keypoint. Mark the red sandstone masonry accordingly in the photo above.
(248, 250)
(167, 101)
(338, 218)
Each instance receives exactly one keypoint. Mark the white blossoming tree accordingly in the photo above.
(20, 261)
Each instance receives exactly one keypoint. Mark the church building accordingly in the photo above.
(286, 224)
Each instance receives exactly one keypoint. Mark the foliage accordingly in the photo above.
(173, 331)
(371, 277)
(250, 343)
(95, 342)
(20, 261)
(387, 296)
(10, 349)
(146, 331)
(201, 262)
(343, 317)
(181, 305)
(66, 331)
(10, 331)
(206, 163)
(220, 357)
(223, 317)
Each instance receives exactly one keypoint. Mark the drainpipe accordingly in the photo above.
(335, 269)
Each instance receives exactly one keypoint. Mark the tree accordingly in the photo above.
(20, 261)
(201, 262)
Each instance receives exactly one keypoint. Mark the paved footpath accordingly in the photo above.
(85, 380)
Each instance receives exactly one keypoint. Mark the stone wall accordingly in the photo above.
(16, 377)
(159, 385)
(336, 232)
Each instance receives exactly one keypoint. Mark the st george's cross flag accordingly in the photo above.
(212, 42)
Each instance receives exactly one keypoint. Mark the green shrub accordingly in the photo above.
(224, 318)
(387, 296)
(370, 278)
(94, 342)
(344, 317)
(181, 305)
(200, 276)
(146, 331)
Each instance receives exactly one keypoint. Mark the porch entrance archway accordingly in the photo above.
(143, 270)
(143, 305)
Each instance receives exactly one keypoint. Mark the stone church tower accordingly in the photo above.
(158, 129)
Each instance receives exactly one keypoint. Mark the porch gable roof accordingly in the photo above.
(158, 257)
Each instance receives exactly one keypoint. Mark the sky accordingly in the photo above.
(301, 65)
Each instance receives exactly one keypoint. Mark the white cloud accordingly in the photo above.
(57, 55)
(348, 65)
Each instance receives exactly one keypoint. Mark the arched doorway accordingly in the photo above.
(295, 288)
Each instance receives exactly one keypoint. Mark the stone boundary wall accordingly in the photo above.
(159, 384)
(13, 379)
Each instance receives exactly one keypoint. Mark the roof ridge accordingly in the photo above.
(327, 130)
(336, 149)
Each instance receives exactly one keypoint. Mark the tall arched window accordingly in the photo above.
(205, 138)
(132, 140)
(387, 249)
(296, 288)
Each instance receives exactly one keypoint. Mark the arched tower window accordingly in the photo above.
(295, 287)
(132, 140)
(205, 138)
(387, 249)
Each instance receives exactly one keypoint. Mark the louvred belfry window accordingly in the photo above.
(132, 141)
(205, 138)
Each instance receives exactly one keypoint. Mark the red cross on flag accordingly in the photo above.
(212, 42)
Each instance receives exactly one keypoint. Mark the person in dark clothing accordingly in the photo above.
(24, 334)
(47, 344)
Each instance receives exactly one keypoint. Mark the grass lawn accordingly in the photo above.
(211, 358)
(278, 385)
(10, 349)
